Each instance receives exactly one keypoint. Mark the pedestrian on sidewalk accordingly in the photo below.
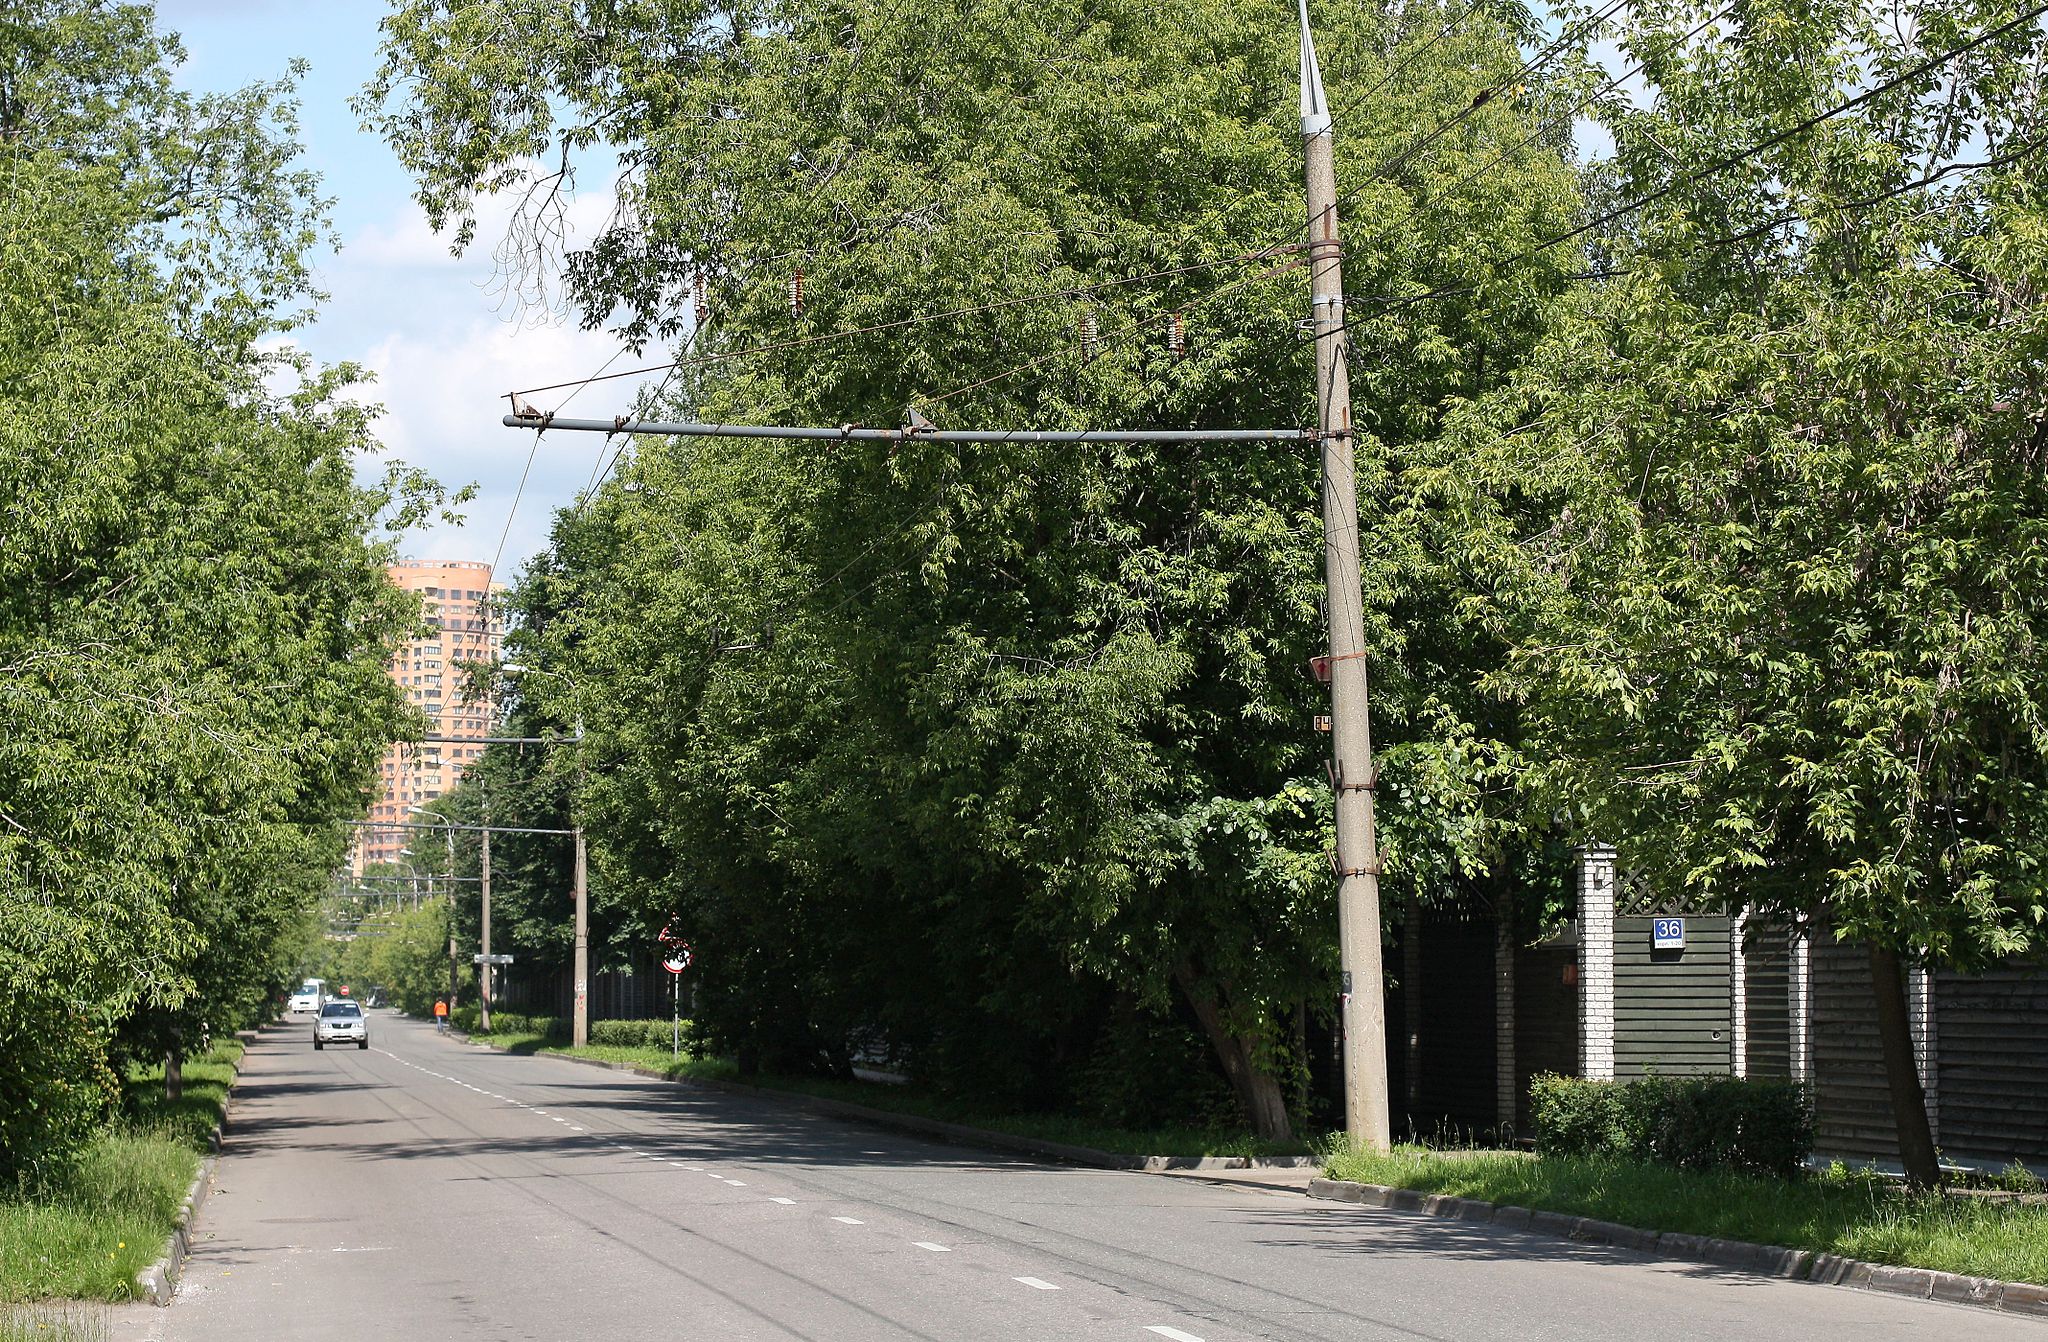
(441, 1014)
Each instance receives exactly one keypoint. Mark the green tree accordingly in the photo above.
(960, 748)
(1775, 591)
(194, 618)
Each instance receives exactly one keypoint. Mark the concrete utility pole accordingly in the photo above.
(1356, 860)
(580, 1026)
(484, 995)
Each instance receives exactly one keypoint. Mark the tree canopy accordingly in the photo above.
(962, 748)
(194, 617)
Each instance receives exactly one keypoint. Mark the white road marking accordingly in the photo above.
(787, 1202)
(848, 1221)
(940, 1248)
(735, 1183)
(560, 1120)
(1036, 1283)
(574, 1128)
(1176, 1334)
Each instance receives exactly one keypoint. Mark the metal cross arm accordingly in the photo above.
(911, 434)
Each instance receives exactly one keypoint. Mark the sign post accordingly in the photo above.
(675, 962)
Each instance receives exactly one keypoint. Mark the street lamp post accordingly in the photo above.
(579, 1027)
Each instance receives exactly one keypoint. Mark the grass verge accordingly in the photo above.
(87, 1237)
(923, 1104)
(45, 1323)
(1852, 1213)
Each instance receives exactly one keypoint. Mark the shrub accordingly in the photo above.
(1756, 1127)
(55, 1087)
(632, 1033)
(515, 1022)
(464, 1018)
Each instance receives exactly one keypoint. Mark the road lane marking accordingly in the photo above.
(787, 1202)
(735, 1183)
(574, 1128)
(1036, 1284)
(1176, 1334)
(848, 1221)
(940, 1248)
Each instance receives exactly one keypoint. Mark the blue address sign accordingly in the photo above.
(1667, 934)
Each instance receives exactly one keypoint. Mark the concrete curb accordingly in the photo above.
(158, 1283)
(1763, 1259)
(958, 1133)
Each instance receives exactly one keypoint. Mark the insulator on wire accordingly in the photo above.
(1177, 335)
(700, 300)
(796, 293)
(1091, 334)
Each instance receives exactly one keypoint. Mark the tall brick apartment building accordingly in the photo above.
(457, 595)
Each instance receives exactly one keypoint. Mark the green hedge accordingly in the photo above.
(465, 1018)
(634, 1033)
(1718, 1122)
(611, 1033)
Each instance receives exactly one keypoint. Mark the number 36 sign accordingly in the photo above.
(1667, 934)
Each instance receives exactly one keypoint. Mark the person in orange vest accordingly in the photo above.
(440, 1013)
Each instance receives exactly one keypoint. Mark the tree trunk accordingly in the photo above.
(174, 1076)
(1901, 1071)
(1258, 1093)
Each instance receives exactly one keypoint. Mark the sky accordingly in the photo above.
(444, 346)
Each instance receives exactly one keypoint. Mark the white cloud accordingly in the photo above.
(445, 348)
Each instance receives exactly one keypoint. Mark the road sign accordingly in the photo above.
(679, 959)
(668, 937)
(490, 959)
(1667, 934)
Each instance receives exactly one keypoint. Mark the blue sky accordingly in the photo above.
(443, 345)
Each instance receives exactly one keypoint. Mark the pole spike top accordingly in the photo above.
(1315, 108)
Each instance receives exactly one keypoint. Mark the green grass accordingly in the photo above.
(107, 1219)
(1857, 1215)
(923, 1104)
(48, 1323)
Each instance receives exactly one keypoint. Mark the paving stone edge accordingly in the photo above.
(955, 1132)
(1766, 1260)
(158, 1283)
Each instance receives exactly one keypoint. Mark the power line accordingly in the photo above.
(802, 342)
(1740, 156)
(1574, 109)
(1772, 141)
(1486, 95)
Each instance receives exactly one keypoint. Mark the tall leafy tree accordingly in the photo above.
(193, 613)
(1780, 611)
(952, 746)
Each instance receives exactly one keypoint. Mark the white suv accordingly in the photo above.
(308, 998)
(341, 1023)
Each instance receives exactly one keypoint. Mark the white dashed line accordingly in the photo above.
(848, 1221)
(940, 1248)
(735, 1183)
(574, 1128)
(1036, 1284)
(787, 1202)
(1176, 1334)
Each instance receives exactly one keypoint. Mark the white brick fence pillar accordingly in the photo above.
(1596, 962)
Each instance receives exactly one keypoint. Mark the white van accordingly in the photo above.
(308, 997)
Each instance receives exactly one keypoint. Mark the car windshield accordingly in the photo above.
(340, 1009)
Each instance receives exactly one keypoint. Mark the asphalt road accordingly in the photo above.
(426, 1189)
